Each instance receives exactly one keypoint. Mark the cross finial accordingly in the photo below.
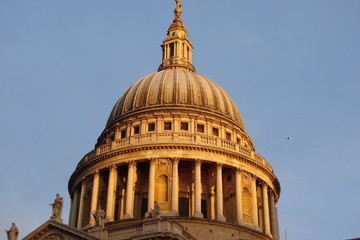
(178, 4)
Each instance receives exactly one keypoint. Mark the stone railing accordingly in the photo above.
(121, 232)
(172, 138)
(177, 138)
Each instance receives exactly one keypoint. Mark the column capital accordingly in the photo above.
(131, 163)
(198, 161)
(95, 172)
(254, 176)
(175, 160)
(219, 165)
(238, 170)
(152, 160)
(112, 167)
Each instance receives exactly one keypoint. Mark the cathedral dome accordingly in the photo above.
(175, 146)
(176, 89)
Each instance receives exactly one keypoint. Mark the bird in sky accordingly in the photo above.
(288, 138)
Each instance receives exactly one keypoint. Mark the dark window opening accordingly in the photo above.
(172, 49)
(228, 136)
(123, 133)
(144, 205)
(203, 208)
(167, 125)
(215, 131)
(184, 126)
(183, 207)
(112, 137)
(136, 129)
(151, 127)
(200, 128)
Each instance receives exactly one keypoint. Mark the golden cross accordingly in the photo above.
(178, 4)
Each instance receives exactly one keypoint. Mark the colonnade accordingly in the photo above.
(269, 213)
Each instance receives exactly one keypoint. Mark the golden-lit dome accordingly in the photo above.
(176, 89)
(175, 158)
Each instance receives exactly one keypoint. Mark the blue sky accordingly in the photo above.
(292, 68)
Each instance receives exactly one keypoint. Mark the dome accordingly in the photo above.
(175, 158)
(176, 89)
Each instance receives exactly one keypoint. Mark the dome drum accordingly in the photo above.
(167, 173)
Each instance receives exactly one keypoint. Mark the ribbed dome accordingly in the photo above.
(172, 89)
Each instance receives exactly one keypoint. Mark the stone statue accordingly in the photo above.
(178, 4)
(154, 213)
(99, 216)
(13, 232)
(57, 207)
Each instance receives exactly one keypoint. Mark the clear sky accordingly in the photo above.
(292, 68)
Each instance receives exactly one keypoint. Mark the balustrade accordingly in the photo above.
(197, 139)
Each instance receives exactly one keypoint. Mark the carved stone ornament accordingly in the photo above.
(54, 237)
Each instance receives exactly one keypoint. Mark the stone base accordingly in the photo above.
(56, 219)
(198, 215)
(128, 216)
(220, 219)
(97, 232)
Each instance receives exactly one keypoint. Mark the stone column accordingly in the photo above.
(219, 194)
(74, 209)
(266, 209)
(94, 197)
(151, 192)
(81, 204)
(175, 187)
(277, 222)
(254, 202)
(273, 217)
(197, 212)
(111, 194)
(129, 204)
(238, 195)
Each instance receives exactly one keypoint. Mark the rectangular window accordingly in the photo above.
(184, 126)
(215, 131)
(123, 133)
(151, 127)
(228, 136)
(137, 129)
(172, 49)
(112, 137)
(167, 125)
(200, 128)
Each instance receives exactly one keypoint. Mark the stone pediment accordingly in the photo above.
(52, 230)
